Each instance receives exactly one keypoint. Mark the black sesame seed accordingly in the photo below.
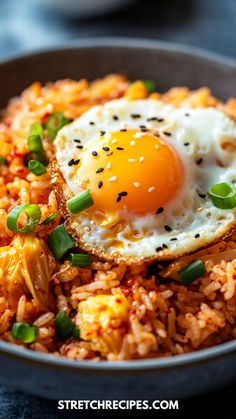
(115, 117)
(158, 249)
(123, 129)
(165, 246)
(119, 148)
(197, 236)
(77, 141)
(154, 118)
(102, 133)
(80, 147)
(199, 161)
(167, 228)
(105, 148)
(167, 133)
(142, 126)
(91, 123)
(100, 184)
(99, 170)
(94, 153)
(202, 195)
(118, 199)
(173, 239)
(187, 114)
(159, 210)
(71, 162)
(123, 193)
(186, 144)
(135, 115)
(144, 129)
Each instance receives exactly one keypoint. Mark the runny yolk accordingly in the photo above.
(134, 169)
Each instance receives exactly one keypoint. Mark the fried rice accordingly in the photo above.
(125, 312)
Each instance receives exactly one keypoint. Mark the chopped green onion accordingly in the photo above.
(193, 271)
(36, 129)
(60, 241)
(33, 215)
(2, 161)
(80, 202)
(50, 218)
(223, 195)
(40, 156)
(24, 332)
(54, 123)
(150, 86)
(79, 259)
(36, 167)
(35, 143)
(65, 327)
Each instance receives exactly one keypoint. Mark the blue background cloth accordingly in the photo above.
(210, 24)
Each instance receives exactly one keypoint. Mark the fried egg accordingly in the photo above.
(148, 167)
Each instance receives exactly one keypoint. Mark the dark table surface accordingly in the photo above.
(209, 24)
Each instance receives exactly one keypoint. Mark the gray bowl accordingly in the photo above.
(167, 378)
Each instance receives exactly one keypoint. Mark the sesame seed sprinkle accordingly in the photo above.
(123, 193)
(173, 239)
(186, 144)
(159, 210)
(202, 195)
(119, 148)
(165, 246)
(91, 123)
(115, 117)
(157, 147)
(114, 141)
(168, 134)
(142, 126)
(99, 170)
(137, 184)
(106, 148)
(109, 165)
(102, 133)
(135, 115)
(118, 198)
(151, 189)
(123, 129)
(141, 159)
(80, 147)
(100, 184)
(197, 236)
(132, 143)
(94, 153)
(154, 118)
(158, 249)
(73, 162)
(199, 161)
(167, 228)
(132, 160)
(113, 179)
(77, 141)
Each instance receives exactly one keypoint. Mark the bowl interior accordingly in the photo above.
(167, 65)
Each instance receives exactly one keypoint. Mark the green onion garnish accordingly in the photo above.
(35, 143)
(80, 202)
(36, 129)
(223, 195)
(50, 218)
(191, 272)
(2, 161)
(36, 167)
(60, 241)
(24, 332)
(65, 328)
(150, 86)
(32, 213)
(54, 123)
(79, 259)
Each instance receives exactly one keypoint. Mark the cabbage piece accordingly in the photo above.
(26, 266)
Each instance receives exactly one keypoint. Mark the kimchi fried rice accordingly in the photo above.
(114, 311)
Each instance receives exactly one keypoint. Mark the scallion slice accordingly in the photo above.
(60, 241)
(65, 327)
(36, 129)
(25, 332)
(2, 161)
(150, 86)
(192, 272)
(36, 167)
(35, 143)
(32, 213)
(54, 123)
(223, 195)
(80, 202)
(80, 259)
(50, 218)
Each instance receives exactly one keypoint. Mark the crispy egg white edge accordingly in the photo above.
(91, 234)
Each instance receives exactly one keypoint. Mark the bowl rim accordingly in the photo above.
(203, 355)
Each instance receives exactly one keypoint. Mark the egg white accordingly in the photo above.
(198, 133)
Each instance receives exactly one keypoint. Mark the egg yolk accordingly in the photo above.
(132, 169)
